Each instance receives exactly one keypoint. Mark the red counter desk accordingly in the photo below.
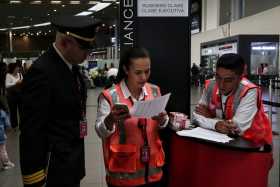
(200, 163)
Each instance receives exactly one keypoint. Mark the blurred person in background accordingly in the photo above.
(5, 124)
(13, 86)
(3, 92)
(195, 74)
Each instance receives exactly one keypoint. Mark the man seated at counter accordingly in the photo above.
(231, 104)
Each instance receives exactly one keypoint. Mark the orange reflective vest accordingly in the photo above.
(121, 150)
(260, 131)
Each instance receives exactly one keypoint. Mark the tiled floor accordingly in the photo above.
(94, 161)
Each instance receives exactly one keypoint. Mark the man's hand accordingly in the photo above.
(204, 111)
(226, 127)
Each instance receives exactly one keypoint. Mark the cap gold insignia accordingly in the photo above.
(80, 37)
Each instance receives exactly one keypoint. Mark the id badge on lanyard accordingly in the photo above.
(145, 154)
(83, 128)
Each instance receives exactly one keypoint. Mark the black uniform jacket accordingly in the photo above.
(50, 131)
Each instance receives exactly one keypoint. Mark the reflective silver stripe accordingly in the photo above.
(209, 91)
(139, 174)
(114, 95)
(236, 100)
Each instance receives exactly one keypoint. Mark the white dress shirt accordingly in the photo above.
(104, 109)
(112, 72)
(243, 116)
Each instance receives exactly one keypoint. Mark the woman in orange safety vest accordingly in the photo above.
(132, 149)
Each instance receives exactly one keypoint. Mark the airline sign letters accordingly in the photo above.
(162, 8)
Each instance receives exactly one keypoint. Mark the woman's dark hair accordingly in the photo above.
(127, 56)
(3, 72)
(233, 62)
(12, 67)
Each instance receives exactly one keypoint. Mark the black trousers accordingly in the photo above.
(66, 164)
(154, 184)
(15, 109)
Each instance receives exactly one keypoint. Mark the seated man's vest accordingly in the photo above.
(260, 130)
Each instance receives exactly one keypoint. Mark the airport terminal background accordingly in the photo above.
(213, 20)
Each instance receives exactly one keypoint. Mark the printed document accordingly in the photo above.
(150, 108)
(205, 134)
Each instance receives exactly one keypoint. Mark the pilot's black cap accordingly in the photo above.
(82, 28)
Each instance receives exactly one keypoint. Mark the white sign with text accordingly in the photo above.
(162, 8)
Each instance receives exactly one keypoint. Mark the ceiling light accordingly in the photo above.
(36, 2)
(3, 29)
(85, 13)
(74, 2)
(63, 5)
(54, 10)
(92, 2)
(42, 24)
(99, 7)
(15, 2)
(23, 27)
(55, 2)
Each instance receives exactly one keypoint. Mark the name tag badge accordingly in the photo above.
(145, 154)
(219, 113)
(83, 128)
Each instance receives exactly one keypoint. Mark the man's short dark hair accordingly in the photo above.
(231, 61)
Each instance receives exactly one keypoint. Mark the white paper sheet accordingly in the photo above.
(205, 134)
(150, 108)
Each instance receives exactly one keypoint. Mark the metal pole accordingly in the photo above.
(260, 82)
(236, 9)
(276, 89)
(270, 99)
(11, 41)
(116, 45)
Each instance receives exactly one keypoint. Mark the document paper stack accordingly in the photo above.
(205, 134)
